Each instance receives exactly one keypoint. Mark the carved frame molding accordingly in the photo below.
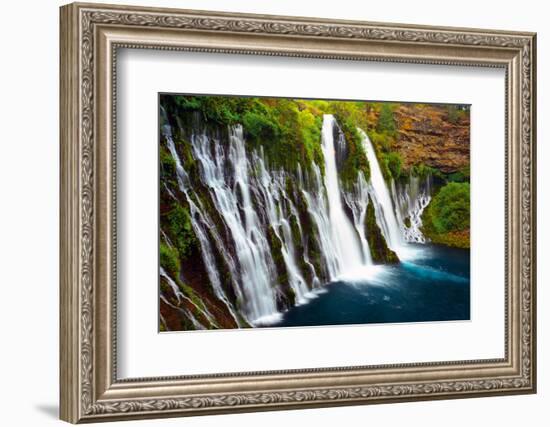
(90, 36)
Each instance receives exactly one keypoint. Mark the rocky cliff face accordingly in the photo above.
(436, 135)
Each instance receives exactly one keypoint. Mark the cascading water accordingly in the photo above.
(410, 200)
(380, 196)
(344, 237)
(318, 210)
(179, 295)
(248, 202)
(358, 201)
(246, 235)
(279, 207)
(227, 178)
(392, 208)
(200, 223)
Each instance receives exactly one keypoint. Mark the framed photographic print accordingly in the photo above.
(265, 212)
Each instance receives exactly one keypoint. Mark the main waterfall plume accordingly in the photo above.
(344, 237)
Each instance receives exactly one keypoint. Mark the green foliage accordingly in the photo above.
(310, 125)
(384, 138)
(386, 122)
(381, 141)
(350, 116)
(450, 208)
(423, 171)
(260, 127)
(169, 260)
(167, 166)
(225, 110)
(462, 175)
(289, 130)
(180, 230)
(391, 164)
(356, 161)
(395, 164)
(353, 112)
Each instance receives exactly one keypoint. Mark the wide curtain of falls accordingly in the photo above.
(269, 237)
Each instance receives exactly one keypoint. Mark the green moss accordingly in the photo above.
(167, 164)
(169, 260)
(296, 234)
(180, 230)
(380, 252)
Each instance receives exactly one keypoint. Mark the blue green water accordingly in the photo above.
(434, 285)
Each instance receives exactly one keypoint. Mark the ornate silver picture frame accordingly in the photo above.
(91, 34)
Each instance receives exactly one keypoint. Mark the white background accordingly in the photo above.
(141, 347)
(29, 170)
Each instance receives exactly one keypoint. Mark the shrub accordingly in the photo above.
(450, 208)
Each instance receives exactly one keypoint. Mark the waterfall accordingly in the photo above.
(318, 210)
(279, 207)
(358, 201)
(344, 236)
(247, 219)
(180, 296)
(200, 223)
(380, 195)
(410, 200)
(227, 179)
(393, 207)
